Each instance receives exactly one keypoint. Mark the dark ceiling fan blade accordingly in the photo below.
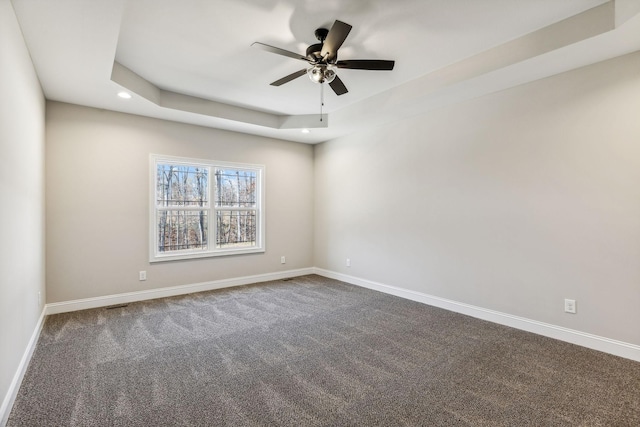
(290, 77)
(366, 64)
(279, 51)
(338, 87)
(337, 34)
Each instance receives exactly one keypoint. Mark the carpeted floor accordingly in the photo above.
(312, 352)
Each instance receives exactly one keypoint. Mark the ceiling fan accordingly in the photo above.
(323, 58)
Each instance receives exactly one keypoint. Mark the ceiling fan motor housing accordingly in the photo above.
(314, 52)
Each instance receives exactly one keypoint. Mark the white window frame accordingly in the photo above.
(212, 250)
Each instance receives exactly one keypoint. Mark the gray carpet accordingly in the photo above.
(312, 352)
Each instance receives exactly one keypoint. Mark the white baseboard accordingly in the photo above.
(104, 301)
(14, 387)
(595, 342)
(607, 345)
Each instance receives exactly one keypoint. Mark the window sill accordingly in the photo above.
(200, 255)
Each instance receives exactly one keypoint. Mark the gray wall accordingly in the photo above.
(510, 202)
(21, 197)
(97, 201)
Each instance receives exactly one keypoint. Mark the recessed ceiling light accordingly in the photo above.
(124, 95)
(305, 131)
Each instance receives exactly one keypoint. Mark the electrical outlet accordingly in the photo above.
(348, 262)
(570, 306)
(283, 260)
(143, 275)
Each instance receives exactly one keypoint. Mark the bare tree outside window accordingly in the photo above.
(189, 205)
(236, 202)
(183, 187)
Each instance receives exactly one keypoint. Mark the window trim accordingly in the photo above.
(212, 250)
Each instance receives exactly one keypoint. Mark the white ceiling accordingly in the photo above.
(192, 61)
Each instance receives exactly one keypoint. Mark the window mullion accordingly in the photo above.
(213, 231)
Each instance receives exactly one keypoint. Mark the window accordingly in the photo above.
(202, 208)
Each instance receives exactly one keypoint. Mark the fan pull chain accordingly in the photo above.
(321, 99)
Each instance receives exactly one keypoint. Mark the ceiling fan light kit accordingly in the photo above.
(323, 58)
(321, 74)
